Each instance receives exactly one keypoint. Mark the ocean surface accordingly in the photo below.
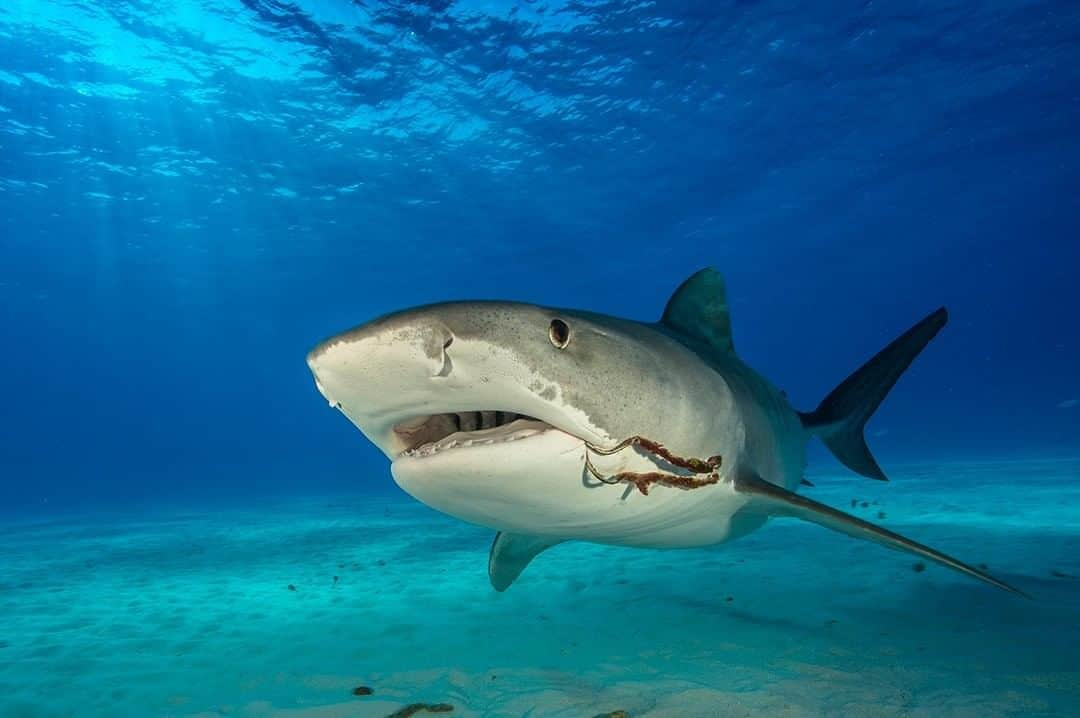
(194, 194)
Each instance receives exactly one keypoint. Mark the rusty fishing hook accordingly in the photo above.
(642, 480)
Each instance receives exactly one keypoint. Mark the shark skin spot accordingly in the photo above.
(544, 390)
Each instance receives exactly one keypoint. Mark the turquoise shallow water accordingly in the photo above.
(189, 613)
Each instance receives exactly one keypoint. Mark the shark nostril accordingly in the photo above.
(447, 364)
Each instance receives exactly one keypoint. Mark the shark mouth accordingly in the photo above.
(425, 436)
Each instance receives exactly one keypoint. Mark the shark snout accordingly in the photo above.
(365, 348)
(381, 364)
(313, 366)
(311, 356)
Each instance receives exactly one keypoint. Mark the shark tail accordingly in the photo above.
(840, 419)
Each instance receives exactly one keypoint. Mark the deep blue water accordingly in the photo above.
(193, 193)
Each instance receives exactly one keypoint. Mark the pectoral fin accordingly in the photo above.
(511, 553)
(780, 501)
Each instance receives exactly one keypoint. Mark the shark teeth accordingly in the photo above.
(520, 429)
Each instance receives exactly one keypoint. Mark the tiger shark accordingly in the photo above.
(523, 419)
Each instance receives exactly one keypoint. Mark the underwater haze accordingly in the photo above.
(194, 194)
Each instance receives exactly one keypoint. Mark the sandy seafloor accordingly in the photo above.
(190, 614)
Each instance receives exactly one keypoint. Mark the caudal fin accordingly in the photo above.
(840, 419)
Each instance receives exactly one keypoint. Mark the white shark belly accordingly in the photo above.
(545, 491)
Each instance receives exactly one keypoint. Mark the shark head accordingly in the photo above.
(485, 408)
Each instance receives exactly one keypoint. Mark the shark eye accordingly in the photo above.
(559, 333)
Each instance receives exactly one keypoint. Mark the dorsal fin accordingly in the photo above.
(699, 309)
